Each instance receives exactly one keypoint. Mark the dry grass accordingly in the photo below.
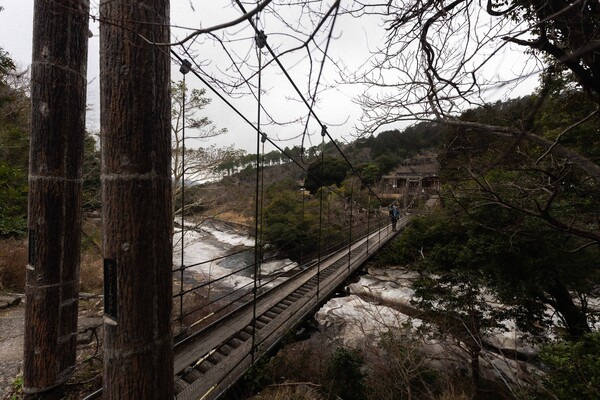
(235, 217)
(196, 309)
(452, 393)
(303, 361)
(91, 267)
(290, 391)
(13, 259)
(91, 273)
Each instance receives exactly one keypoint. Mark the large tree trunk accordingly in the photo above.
(574, 318)
(58, 91)
(136, 199)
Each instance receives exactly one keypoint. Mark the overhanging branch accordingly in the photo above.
(587, 165)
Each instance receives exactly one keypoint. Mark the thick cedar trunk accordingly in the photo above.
(58, 89)
(136, 199)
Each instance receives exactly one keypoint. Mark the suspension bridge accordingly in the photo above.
(221, 338)
(211, 360)
(229, 333)
(220, 330)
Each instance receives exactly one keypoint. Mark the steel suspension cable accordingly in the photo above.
(351, 221)
(243, 117)
(262, 202)
(182, 199)
(379, 227)
(310, 109)
(320, 212)
(302, 192)
(184, 70)
(368, 221)
(260, 43)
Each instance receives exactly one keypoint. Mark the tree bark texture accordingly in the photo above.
(136, 199)
(58, 94)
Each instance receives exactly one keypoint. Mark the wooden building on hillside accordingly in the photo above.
(415, 179)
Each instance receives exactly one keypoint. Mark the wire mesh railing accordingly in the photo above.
(201, 295)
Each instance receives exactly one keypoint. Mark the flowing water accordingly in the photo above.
(230, 249)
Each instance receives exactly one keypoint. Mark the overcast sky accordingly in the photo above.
(353, 39)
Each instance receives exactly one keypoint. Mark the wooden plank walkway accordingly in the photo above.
(210, 361)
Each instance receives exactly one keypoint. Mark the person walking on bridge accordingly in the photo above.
(394, 215)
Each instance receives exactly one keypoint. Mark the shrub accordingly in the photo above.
(399, 370)
(300, 362)
(289, 392)
(13, 259)
(574, 369)
(344, 369)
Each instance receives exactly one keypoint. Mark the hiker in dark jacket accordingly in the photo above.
(394, 215)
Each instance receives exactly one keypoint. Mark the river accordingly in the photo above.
(380, 301)
(232, 250)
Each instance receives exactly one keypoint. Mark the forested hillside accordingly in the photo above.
(380, 152)
(14, 148)
(292, 196)
(519, 227)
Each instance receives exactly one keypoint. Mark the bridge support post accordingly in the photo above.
(368, 221)
(58, 91)
(351, 222)
(136, 199)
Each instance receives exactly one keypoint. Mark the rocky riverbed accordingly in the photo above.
(380, 303)
(216, 249)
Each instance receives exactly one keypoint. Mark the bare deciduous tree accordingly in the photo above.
(441, 58)
(198, 162)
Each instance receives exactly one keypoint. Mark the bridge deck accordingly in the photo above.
(210, 361)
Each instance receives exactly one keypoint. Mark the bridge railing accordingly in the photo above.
(200, 297)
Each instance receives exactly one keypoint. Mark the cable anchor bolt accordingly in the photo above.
(263, 137)
(323, 130)
(261, 39)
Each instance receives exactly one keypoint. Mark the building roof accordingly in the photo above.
(422, 165)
